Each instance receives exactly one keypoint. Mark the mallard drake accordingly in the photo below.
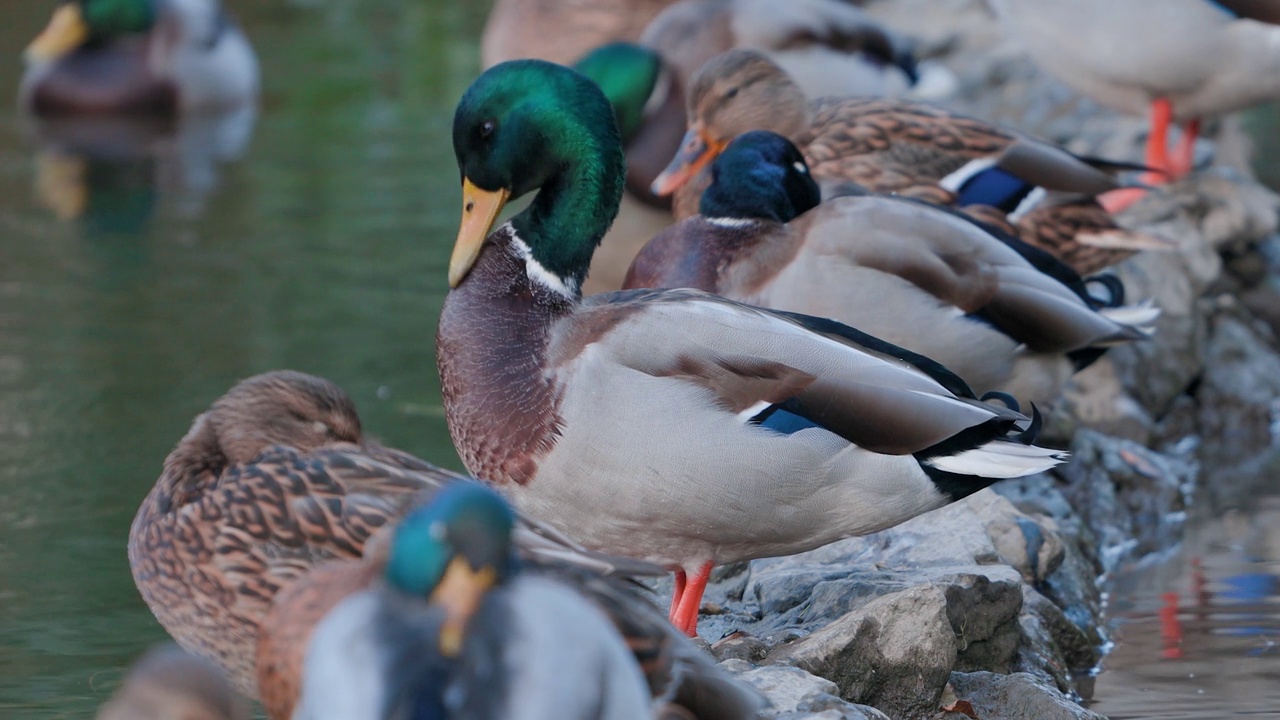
(915, 274)
(828, 46)
(139, 57)
(671, 425)
(170, 684)
(1032, 188)
(1183, 59)
(458, 625)
(561, 30)
(273, 479)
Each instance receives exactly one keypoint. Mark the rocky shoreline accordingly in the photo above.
(994, 607)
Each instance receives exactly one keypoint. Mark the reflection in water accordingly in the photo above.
(1198, 634)
(112, 172)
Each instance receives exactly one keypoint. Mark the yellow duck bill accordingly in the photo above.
(65, 32)
(480, 210)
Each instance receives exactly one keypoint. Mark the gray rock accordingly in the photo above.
(794, 694)
(1132, 497)
(894, 654)
(1016, 697)
(1030, 546)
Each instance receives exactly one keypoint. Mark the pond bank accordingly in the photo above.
(995, 607)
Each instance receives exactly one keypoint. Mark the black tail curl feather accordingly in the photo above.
(1003, 398)
(1113, 287)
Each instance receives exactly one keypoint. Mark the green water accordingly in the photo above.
(324, 249)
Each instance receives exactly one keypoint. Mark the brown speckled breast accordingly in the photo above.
(491, 350)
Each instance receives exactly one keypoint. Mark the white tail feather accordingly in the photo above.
(999, 459)
(1139, 316)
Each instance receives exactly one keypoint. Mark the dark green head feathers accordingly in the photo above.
(112, 18)
(465, 520)
(627, 74)
(760, 175)
(532, 125)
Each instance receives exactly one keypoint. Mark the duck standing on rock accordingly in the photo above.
(1028, 187)
(139, 57)
(1182, 59)
(673, 426)
(915, 274)
(458, 626)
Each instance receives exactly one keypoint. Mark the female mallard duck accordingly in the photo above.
(671, 425)
(456, 627)
(170, 684)
(917, 275)
(911, 149)
(274, 478)
(1183, 59)
(139, 57)
(561, 30)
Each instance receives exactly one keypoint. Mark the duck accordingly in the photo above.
(276, 499)
(894, 145)
(139, 57)
(918, 275)
(1209, 57)
(828, 46)
(168, 683)
(457, 625)
(672, 426)
(274, 478)
(561, 31)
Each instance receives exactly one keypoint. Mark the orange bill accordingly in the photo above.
(480, 209)
(696, 150)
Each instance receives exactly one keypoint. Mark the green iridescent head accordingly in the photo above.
(532, 125)
(627, 74)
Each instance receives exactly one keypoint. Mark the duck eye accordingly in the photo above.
(733, 93)
(486, 129)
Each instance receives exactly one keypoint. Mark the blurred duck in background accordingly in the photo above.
(1025, 186)
(168, 683)
(829, 47)
(118, 90)
(1181, 59)
(150, 57)
(1001, 314)
(561, 30)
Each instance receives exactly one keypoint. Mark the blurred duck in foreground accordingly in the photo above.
(673, 426)
(170, 684)
(275, 498)
(456, 626)
(141, 57)
(1182, 59)
(1027, 187)
(1001, 314)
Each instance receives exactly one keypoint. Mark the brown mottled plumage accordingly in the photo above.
(274, 478)
(907, 148)
(170, 684)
